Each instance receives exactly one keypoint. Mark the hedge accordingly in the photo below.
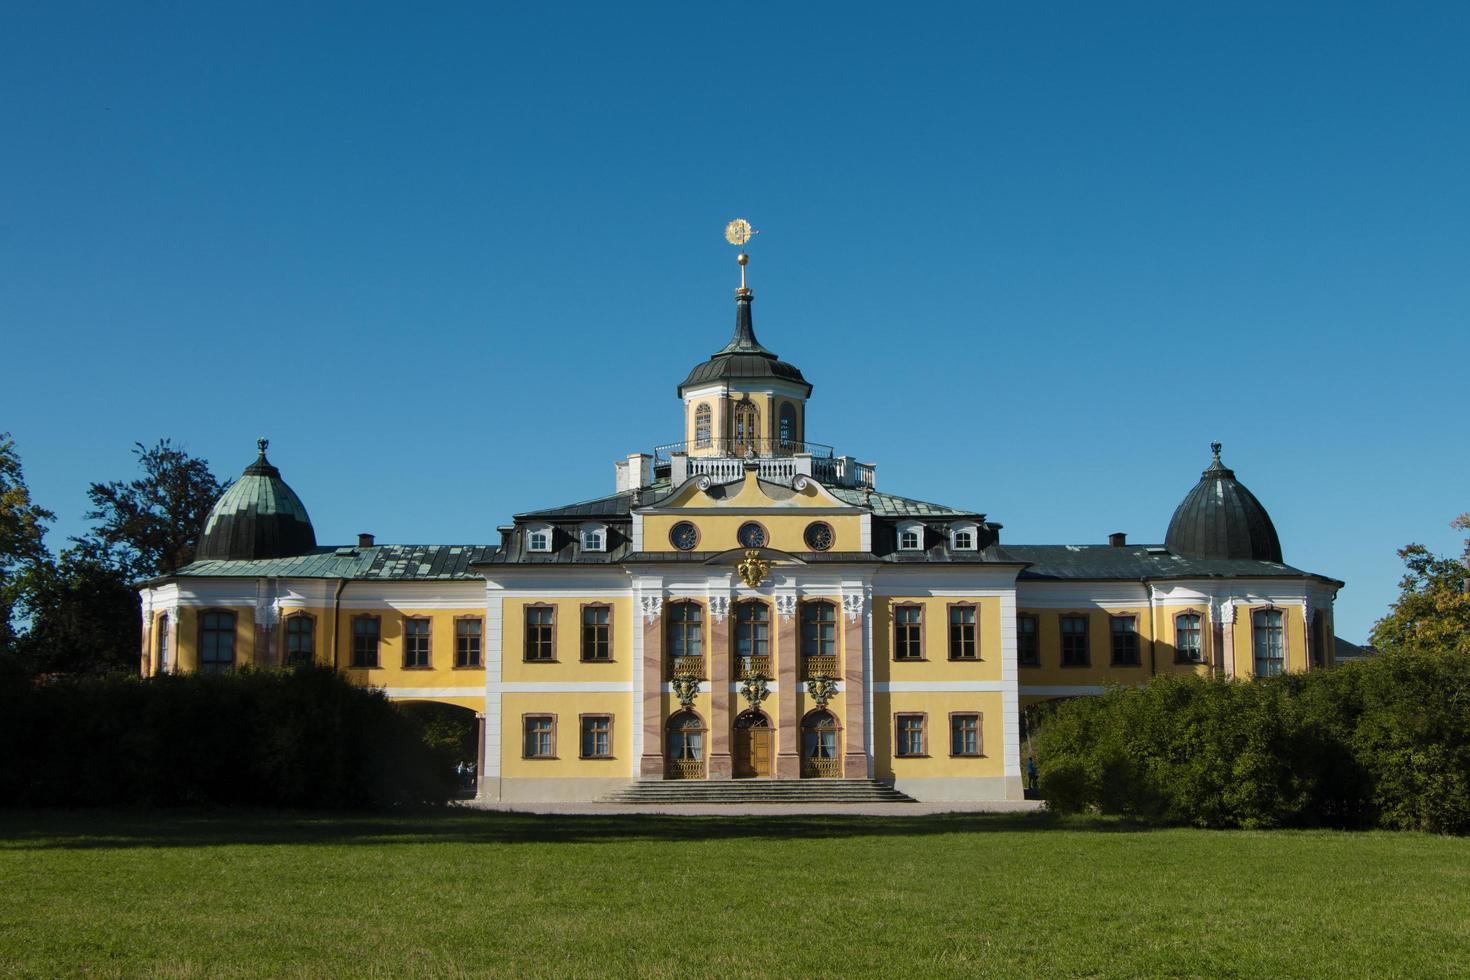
(298, 738)
(1384, 743)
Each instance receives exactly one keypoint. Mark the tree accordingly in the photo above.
(150, 526)
(84, 617)
(22, 535)
(1432, 612)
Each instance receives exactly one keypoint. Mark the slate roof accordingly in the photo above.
(890, 505)
(382, 562)
(1220, 518)
(743, 356)
(1102, 562)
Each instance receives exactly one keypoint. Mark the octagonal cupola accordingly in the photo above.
(258, 516)
(1220, 518)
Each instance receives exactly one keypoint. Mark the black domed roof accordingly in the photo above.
(743, 357)
(257, 517)
(1220, 518)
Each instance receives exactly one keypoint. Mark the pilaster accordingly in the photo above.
(720, 764)
(788, 726)
(855, 762)
(651, 763)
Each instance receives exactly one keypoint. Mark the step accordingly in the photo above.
(747, 791)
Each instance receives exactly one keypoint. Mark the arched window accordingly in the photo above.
(819, 745)
(216, 642)
(752, 640)
(686, 746)
(686, 639)
(702, 427)
(300, 640)
(747, 427)
(787, 426)
(1269, 641)
(752, 718)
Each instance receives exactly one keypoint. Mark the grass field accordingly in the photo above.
(466, 893)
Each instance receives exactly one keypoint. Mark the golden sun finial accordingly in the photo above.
(738, 232)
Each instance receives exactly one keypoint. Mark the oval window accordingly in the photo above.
(752, 535)
(819, 536)
(684, 536)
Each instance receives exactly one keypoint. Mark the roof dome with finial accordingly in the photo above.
(259, 516)
(1220, 518)
(743, 357)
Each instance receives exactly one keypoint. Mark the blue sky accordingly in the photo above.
(1034, 258)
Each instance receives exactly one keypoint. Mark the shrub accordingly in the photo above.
(1384, 743)
(299, 738)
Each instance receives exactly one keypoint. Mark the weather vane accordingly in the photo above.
(738, 232)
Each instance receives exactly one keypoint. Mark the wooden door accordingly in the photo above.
(760, 752)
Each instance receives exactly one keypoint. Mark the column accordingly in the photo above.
(720, 765)
(854, 689)
(788, 726)
(479, 752)
(651, 763)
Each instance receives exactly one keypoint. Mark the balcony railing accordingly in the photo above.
(753, 666)
(685, 769)
(736, 448)
(821, 768)
(686, 667)
(813, 666)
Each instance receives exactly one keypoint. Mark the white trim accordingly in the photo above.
(592, 527)
(915, 527)
(561, 687)
(493, 651)
(964, 527)
(532, 530)
(409, 693)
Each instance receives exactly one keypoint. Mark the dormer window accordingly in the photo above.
(538, 537)
(962, 537)
(594, 537)
(911, 536)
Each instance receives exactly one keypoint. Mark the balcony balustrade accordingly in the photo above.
(685, 769)
(780, 461)
(821, 768)
(746, 667)
(686, 667)
(814, 666)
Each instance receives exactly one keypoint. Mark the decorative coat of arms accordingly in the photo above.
(686, 689)
(754, 569)
(755, 690)
(820, 689)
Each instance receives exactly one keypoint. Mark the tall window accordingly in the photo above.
(415, 642)
(1187, 647)
(686, 639)
(686, 737)
(161, 642)
(1028, 642)
(819, 736)
(964, 734)
(597, 736)
(1125, 640)
(540, 737)
(1269, 641)
(787, 425)
(747, 427)
(540, 633)
(1319, 639)
(1074, 641)
(752, 638)
(300, 640)
(908, 633)
(467, 634)
(818, 629)
(910, 735)
(216, 642)
(702, 427)
(962, 645)
(596, 632)
(366, 631)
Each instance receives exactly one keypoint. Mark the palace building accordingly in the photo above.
(746, 604)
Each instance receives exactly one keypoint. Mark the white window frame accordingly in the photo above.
(586, 531)
(915, 528)
(533, 531)
(967, 527)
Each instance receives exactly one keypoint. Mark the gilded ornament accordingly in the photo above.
(754, 569)
(755, 689)
(738, 232)
(686, 689)
(820, 689)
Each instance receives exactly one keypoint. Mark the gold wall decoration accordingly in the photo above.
(821, 688)
(755, 689)
(754, 569)
(686, 689)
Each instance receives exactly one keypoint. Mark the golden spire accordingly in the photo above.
(738, 232)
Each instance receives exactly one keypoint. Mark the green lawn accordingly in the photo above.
(467, 893)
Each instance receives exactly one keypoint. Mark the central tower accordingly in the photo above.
(744, 400)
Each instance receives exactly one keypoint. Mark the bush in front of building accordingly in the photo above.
(297, 738)
(1385, 743)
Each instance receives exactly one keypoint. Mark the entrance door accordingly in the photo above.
(752, 746)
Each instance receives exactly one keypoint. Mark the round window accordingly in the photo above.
(819, 536)
(752, 535)
(684, 536)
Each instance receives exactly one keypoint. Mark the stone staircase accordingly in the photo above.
(748, 791)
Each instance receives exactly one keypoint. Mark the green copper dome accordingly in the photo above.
(743, 358)
(259, 516)
(1220, 518)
